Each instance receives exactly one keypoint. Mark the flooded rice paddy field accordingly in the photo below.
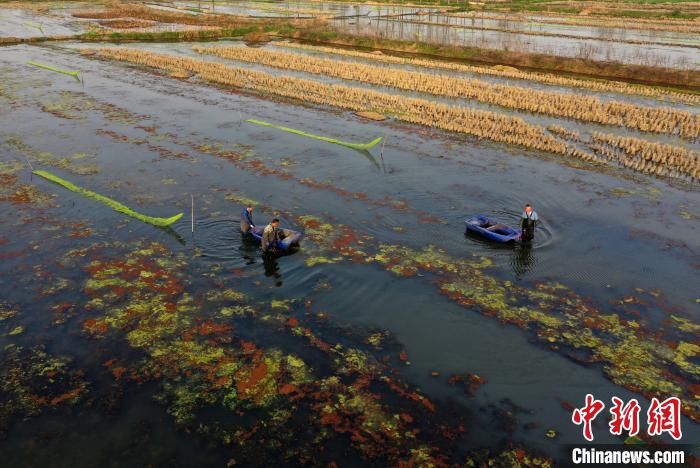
(16, 22)
(585, 129)
(596, 47)
(390, 336)
(185, 49)
(294, 8)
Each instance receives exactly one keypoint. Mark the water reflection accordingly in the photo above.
(522, 259)
(249, 248)
(272, 268)
(172, 233)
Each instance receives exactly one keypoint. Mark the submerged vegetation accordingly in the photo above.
(195, 347)
(649, 363)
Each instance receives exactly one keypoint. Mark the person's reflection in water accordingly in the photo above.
(272, 268)
(522, 259)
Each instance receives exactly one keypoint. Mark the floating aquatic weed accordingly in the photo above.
(16, 193)
(686, 358)
(31, 381)
(57, 70)
(281, 304)
(471, 383)
(376, 339)
(73, 164)
(359, 146)
(115, 205)
(201, 363)
(225, 295)
(685, 325)
(557, 315)
(685, 213)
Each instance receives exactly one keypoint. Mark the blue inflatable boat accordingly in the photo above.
(491, 230)
(289, 238)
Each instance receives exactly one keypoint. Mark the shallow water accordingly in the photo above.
(601, 234)
(588, 48)
(27, 23)
(300, 9)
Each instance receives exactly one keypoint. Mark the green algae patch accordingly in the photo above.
(357, 146)
(115, 205)
(685, 213)
(225, 295)
(241, 200)
(684, 353)
(7, 312)
(16, 193)
(32, 381)
(236, 311)
(189, 346)
(281, 304)
(685, 325)
(557, 316)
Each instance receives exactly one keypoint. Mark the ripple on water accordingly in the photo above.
(220, 240)
(521, 258)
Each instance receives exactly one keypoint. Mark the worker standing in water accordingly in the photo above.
(528, 221)
(270, 237)
(247, 219)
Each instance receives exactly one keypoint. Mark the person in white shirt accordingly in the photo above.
(528, 222)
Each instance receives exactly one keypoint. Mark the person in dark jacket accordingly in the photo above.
(528, 221)
(270, 236)
(247, 220)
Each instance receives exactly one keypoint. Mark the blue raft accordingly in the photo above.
(486, 227)
(290, 238)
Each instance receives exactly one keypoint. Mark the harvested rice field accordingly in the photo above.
(140, 327)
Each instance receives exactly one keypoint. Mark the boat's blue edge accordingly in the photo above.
(477, 229)
(284, 244)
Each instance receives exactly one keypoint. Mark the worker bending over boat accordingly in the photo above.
(247, 219)
(528, 221)
(270, 237)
